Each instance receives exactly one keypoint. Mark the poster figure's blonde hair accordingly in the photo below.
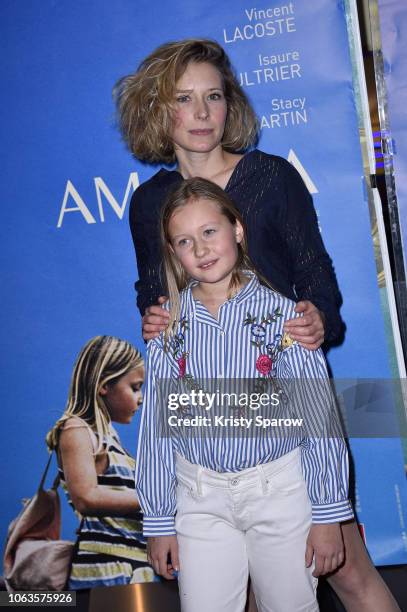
(103, 360)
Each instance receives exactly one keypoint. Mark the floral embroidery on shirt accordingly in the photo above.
(280, 343)
(182, 366)
(258, 328)
(177, 344)
(286, 341)
(266, 362)
(177, 347)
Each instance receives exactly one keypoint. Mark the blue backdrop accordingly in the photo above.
(67, 181)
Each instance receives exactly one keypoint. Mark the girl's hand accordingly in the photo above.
(155, 319)
(308, 330)
(159, 550)
(325, 544)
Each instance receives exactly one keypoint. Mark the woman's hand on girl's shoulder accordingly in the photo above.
(155, 319)
(308, 330)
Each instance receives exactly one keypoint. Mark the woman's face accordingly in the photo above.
(124, 397)
(200, 109)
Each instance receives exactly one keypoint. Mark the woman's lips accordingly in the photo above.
(201, 132)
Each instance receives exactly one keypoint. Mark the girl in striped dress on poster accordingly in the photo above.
(96, 472)
(228, 490)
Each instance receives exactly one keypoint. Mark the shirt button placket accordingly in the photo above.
(221, 355)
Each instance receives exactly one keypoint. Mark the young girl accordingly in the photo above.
(233, 502)
(95, 470)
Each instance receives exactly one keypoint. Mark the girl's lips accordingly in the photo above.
(209, 264)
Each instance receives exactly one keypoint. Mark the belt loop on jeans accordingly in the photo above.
(199, 480)
(262, 477)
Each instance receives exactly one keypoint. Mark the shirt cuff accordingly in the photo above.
(332, 513)
(158, 525)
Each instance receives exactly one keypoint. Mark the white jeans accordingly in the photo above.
(231, 524)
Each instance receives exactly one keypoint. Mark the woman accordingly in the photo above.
(184, 105)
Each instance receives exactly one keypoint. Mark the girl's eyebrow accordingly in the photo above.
(185, 234)
(208, 223)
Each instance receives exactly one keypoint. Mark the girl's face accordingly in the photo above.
(123, 398)
(200, 109)
(205, 241)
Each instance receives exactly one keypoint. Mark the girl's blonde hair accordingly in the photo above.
(145, 100)
(192, 190)
(103, 360)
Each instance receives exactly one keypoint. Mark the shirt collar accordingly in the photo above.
(188, 303)
(248, 290)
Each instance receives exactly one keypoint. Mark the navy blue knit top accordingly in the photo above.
(284, 241)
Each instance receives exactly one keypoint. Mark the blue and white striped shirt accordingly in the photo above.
(249, 325)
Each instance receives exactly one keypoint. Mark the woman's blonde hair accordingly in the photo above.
(103, 360)
(145, 100)
(192, 190)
